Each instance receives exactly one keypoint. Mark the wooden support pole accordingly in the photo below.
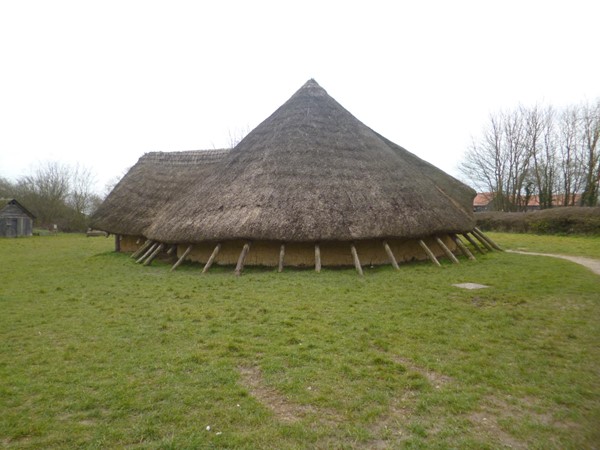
(240, 263)
(117, 242)
(182, 257)
(317, 258)
(462, 247)
(171, 249)
(142, 249)
(446, 250)
(137, 242)
(356, 260)
(483, 241)
(429, 253)
(148, 252)
(281, 256)
(154, 254)
(391, 256)
(473, 243)
(211, 260)
(488, 239)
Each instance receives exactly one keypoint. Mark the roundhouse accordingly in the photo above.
(310, 186)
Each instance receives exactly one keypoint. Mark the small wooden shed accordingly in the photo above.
(15, 219)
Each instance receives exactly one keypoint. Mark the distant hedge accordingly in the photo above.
(564, 220)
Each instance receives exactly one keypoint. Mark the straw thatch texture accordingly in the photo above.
(156, 179)
(313, 172)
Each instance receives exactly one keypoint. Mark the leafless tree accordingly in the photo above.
(499, 162)
(571, 173)
(45, 191)
(538, 151)
(6, 188)
(81, 189)
(483, 163)
(518, 155)
(236, 136)
(541, 141)
(590, 135)
(58, 194)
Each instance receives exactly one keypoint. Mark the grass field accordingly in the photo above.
(98, 352)
(587, 246)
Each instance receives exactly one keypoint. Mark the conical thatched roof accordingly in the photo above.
(311, 172)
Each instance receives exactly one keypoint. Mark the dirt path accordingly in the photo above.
(592, 264)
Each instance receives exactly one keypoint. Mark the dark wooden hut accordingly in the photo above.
(15, 219)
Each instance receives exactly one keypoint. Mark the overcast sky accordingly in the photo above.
(101, 83)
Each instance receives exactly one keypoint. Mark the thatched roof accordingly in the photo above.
(309, 172)
(156, 179)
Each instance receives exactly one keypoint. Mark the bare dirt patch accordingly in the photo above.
(392, 426)
(438, 380)
(486, 425)
(284, 410)
(493, 410)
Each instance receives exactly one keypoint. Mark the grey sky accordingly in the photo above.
(101, 83)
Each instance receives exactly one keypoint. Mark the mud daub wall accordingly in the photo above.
(266, 253)
(131, 243)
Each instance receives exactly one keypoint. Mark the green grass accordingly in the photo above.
(576, 245)
(98, 352)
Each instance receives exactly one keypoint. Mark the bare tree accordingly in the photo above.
(236, 136)
(568, 148)
(518, 155)
(483, 163)
(590, 135)
(541, 142)
(538, 150)
(58, 194)
(81, 189)
(45, 192)
(6, 188)
(499, 162)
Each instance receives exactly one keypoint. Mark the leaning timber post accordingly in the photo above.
(482, 240)
(473, 243)
(240, 263)
(317, 258)
(488, 239)
(182, 257)
(429, 253)
(391, 256)
(462, 247)
(211, 260)
(172, 248)
(117, 242)
(143, 248)
(154, 254)
(446, 250)
(281, 256)
(148, 252)
(356, 260)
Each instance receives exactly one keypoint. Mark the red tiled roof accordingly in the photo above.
(483, 199)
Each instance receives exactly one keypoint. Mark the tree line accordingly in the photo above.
(541, 151)
(57, 194)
